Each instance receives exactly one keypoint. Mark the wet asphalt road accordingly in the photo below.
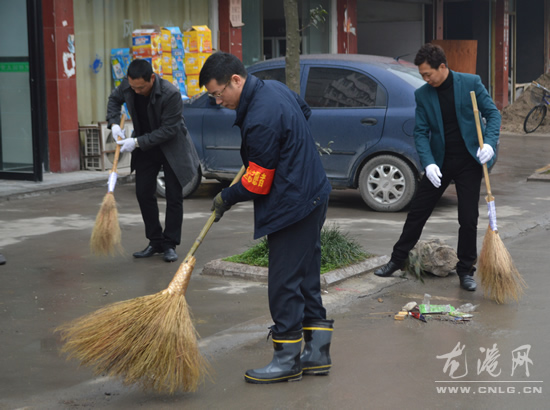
(51, 278)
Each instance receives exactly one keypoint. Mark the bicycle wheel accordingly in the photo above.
(534, 118)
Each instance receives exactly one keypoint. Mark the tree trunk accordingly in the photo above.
(292, 58)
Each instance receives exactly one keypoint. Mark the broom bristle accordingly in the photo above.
(105, 238)
(499, 277)
(150, 341)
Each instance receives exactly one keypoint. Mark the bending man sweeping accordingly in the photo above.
(289, 187)
(161, 140)
(446, 141)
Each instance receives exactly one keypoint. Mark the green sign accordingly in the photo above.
(14, 67)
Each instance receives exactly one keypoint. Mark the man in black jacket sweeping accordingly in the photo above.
(161, 140)
(289, 187)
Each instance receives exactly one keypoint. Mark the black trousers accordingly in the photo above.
(467, 174)
(147, 165)
(294, 279)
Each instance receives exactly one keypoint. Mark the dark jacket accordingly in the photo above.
(429, 135)
(165, 113)
(284, 176)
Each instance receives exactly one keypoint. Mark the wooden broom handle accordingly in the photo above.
(210, 221)
(181, 279)
(117, 149)
(489, 196)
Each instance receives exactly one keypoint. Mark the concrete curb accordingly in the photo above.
(221, 268)
(539, 177)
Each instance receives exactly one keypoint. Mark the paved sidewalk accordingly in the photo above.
(58, 182)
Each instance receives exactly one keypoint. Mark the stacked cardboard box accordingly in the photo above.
(198, 45)
(146, 44)
(163, 48)
(166, 43)
(177, 59)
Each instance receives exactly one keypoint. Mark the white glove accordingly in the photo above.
(485, 154)
(434, 175)
(118, 134)
(127, 145)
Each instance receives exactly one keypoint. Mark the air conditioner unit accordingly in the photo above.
(99, 147)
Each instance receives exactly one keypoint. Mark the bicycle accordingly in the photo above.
(536, 116)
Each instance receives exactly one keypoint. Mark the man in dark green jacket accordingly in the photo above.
(446, 140)
(160, 139)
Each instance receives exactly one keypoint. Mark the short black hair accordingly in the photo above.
(221, 66)
(431, 54)
(140, 68)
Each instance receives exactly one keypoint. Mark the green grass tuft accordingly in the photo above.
(257, 255)
(338, 250)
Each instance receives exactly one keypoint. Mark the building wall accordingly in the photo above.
(61, 85)
(389, 28)
(530, 40)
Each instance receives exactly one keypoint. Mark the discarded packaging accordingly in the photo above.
(400, 316)
(409, 306)
(447, 318)
(468, 307)
(426, 301)
(438, 309)
(456, 313)
(418, 316)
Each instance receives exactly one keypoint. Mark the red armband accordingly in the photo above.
(258, 179)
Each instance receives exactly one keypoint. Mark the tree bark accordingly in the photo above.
(293, 37)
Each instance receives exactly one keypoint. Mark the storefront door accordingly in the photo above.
(21, 115)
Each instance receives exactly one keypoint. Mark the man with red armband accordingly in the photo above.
(289, 187)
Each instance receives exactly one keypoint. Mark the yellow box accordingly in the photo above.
(167, 63)
(194, 62)
(168, 77)
(193, 85)
(155, 61)
(166, 40)
(198, 39)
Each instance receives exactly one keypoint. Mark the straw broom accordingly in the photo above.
(106, 233)
(499, 277)
(150, 340)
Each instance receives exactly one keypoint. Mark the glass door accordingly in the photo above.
(22, 116)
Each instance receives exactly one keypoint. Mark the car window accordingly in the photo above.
(274, 74)
(336, 87)
(200, 101)
(408, 74)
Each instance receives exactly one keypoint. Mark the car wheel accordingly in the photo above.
(188, 189)
(387, 183)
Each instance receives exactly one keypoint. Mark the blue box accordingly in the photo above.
(120, 60)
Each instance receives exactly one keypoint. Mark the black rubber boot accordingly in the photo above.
(316, 355)
(285, 366)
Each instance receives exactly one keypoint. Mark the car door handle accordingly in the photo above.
(369, 121)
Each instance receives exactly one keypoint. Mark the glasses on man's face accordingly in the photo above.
(219, 94)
